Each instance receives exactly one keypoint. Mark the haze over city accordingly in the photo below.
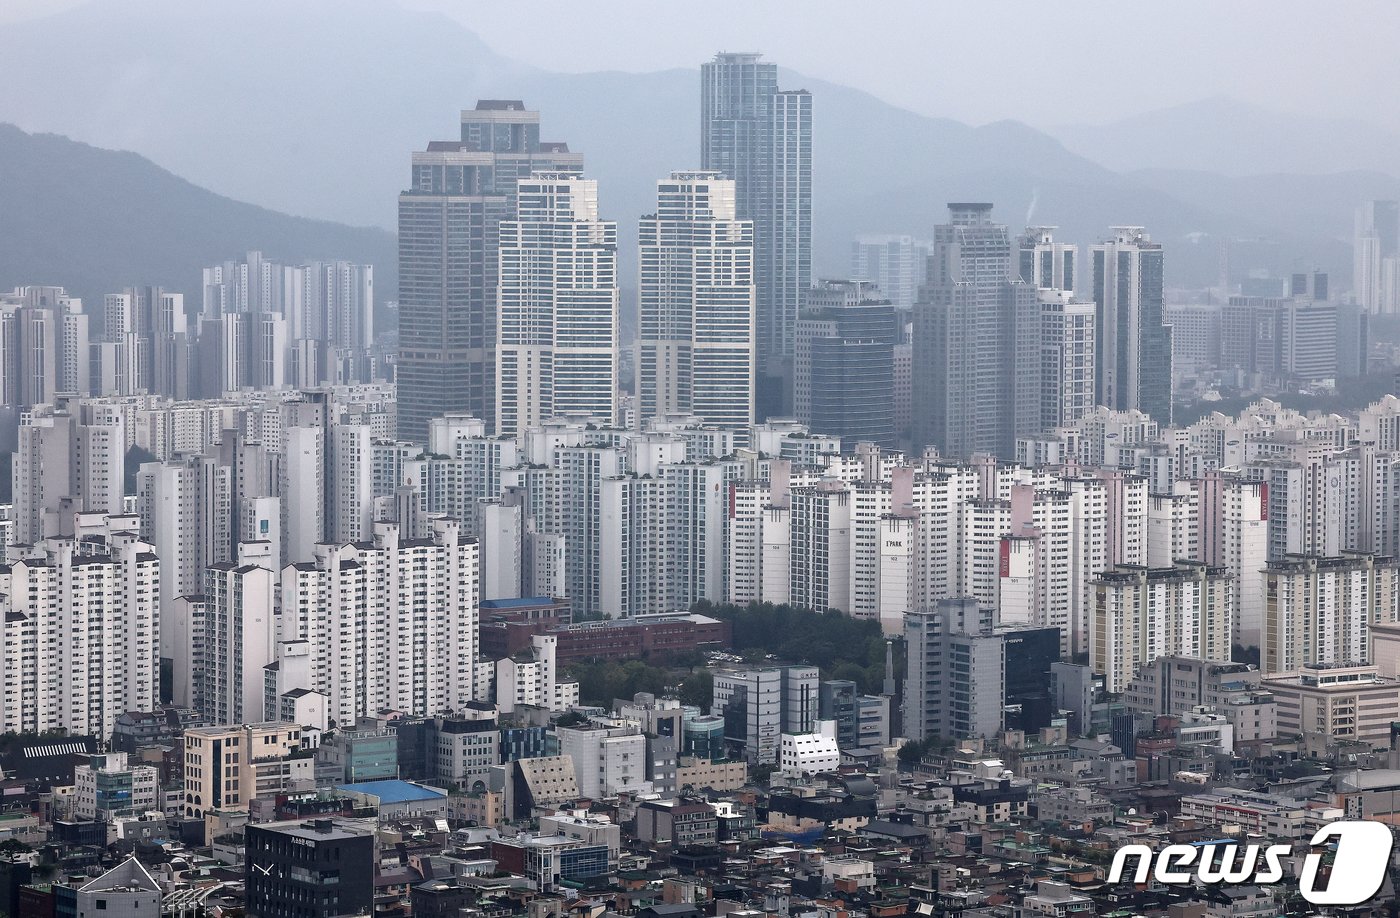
(782, 460)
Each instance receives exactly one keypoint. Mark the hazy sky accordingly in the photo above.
(1042, 62)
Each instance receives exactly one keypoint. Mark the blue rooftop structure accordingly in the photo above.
(393, 791)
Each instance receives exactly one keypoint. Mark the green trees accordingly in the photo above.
(698, 688)
(600, 681)
(844, 647)
(913, 751)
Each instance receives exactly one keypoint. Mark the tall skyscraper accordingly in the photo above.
(761, 137)
(977, 354)
(1045, 262)
(557, 332)
(449, 229)
(1376, 256)
(695, 349)
(1133, 367)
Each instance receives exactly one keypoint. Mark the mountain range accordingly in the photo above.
(314, 107)
(96, 220)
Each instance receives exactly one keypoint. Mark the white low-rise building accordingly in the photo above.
(810, 753)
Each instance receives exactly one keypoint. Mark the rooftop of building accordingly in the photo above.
(393, 791)
(327, 829)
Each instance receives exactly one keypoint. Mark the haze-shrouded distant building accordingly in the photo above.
(695, 347)
(1376, 257)
(557, 325)
(1273, 341)
(977, 380)
(43, 348)
(843, 371)
(1134, 346)
(1195, 336)
(449, 237)
(761, 137)
(897, 265)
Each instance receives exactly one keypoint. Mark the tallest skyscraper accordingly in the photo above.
(449, 260)
(761, 137)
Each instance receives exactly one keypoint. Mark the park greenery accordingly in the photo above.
(842, 647)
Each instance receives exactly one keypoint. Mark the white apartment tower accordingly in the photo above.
(1143, 613)
(81, 630)
(185, 510)
(1234, 522)
(557, 312)
(1067, 358)
(391, 623)
(695, 346)
(69, 459)
(1319, 610)
(234, 638)
(897, 265)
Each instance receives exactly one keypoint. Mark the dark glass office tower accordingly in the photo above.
(1133, 346)
(843, 368)
(761, 137)
(449, 223)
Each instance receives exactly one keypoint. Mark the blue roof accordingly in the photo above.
(517, 603)
(393, 791)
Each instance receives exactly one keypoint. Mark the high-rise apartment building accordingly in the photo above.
(273, 324)
(1376, 257)
(392, 623)
(1067, 357)
(1142, 613)
(185, 512)
(70, 459)
(696, 295)
(82, 629)
(449, 250)
(43, 346)
(1319, 610)
(977, 381)
(234, 637)
(1234, 520)
(556, 331)
(1133, 368)
(761, 137)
